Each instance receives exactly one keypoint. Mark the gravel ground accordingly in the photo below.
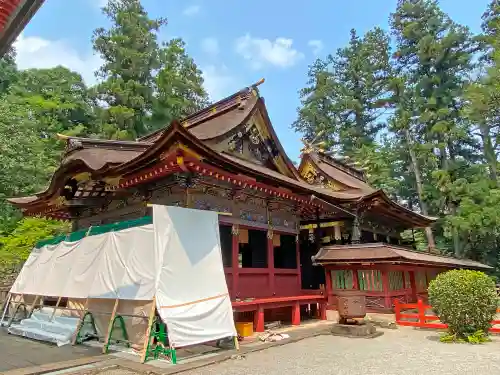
(403, 351)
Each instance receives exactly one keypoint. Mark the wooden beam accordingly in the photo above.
(148, 330)
(110, 325)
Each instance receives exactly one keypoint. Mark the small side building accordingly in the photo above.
(363, 252)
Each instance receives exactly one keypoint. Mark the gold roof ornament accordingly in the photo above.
(313, 145)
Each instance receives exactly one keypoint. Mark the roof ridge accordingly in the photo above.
(212, 109)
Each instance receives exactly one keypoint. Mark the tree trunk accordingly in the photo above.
(489, 152)
(452, 205)
(431, 244)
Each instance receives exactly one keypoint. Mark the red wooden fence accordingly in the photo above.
(423, 320)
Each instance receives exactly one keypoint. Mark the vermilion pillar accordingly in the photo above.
(413, 285)
(270, 262)
(386, 289)
(329, 288)
(235, 259)
(297, 253)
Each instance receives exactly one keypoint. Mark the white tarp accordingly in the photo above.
(178, 259)
(192, 295)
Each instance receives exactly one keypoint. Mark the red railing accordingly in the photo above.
(424, 320)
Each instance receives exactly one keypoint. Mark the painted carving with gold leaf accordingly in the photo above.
(309, 173)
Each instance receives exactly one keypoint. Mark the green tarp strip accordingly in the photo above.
(78, 235)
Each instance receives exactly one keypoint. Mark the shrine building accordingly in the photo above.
(290, 236)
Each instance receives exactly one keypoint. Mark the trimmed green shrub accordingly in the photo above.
(465, 300)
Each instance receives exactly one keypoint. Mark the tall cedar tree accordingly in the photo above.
(179, 85)
(343, 95)
(145, 86)
(483, 94)
(434, 54)
(130, 52)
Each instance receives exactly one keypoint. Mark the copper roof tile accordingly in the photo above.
(377, 252)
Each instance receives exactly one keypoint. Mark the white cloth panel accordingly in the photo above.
(142, 265)
(38, 270)
(192, 295)
(89, 255)
(59, 272)
(119, 264)
(22, 278)
(129, 267)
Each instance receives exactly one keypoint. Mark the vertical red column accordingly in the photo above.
(413, 285)
(235, 259)
(296, 314)
(297, 254)
(386, 289)
(258, 319)
(355, 279)
(270, 262)
(329, 288)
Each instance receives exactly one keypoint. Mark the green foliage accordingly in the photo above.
(478, 337)
(344, 92)
(144, 86)
(425, 126)
(465, 300)
(16, 247)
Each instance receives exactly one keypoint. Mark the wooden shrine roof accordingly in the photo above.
(385, 253)
(201, 134)
(14, 16)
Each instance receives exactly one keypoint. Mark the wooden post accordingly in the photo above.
(355, 279)
(34, 303)
(421, 312)
(296, 314)
(413, 286)
(297, 254)
(258, 319)
(236, 343)
(329, 287)
(270, 261)
(6, 308)
(55, 308)
(80, 321)
(148, 331)
(110, 325)
(397, 310)
(386, 288)
(235, 259)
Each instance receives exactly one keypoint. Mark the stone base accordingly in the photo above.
(366, 330)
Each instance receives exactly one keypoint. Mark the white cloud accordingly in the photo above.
(210, 46)
(36, 52)
(218, 82)
(260, 52)
(316, 46)
(191, 10)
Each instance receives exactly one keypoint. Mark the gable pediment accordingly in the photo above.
(252, 141)
(314, 176)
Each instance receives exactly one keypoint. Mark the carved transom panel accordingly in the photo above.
(314, 177)
(261, 148)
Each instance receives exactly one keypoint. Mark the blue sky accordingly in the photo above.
(235, 43)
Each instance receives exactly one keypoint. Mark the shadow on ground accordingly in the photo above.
(19, 352)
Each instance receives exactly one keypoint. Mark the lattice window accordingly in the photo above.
(342, 279)
(407, 280)
(396, 280)
(370, 280)
(421, 281)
